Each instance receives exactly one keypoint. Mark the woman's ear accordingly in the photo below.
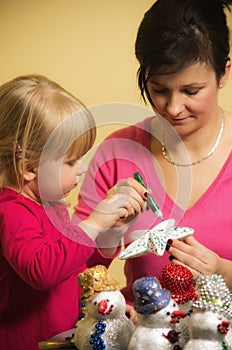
(25, 169)
(224, 78)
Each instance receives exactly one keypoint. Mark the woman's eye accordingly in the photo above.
(191, 92)
(158, 91)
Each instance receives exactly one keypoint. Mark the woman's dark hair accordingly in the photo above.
(177, 33)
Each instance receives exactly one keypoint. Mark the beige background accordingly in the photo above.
(88, 47)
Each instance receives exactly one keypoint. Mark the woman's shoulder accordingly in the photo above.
(134, 132)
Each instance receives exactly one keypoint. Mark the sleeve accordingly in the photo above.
(38, 252)
(100, 177)
(116, 158)
(97, 258)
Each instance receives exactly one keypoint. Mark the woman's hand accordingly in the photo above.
(199, 259)
(195, 256)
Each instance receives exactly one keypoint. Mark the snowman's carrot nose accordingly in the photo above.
(177, 315)
(102, 306)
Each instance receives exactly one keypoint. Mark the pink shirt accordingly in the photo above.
(41, 254)
(127, 151)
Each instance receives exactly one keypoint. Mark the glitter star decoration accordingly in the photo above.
(155, 240)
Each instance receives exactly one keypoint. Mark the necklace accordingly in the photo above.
(211, 151)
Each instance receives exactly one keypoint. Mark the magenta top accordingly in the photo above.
(41, 254)
(127, 151)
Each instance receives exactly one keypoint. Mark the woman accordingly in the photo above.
(184, 151)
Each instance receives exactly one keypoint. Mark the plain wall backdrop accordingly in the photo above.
(87, 46)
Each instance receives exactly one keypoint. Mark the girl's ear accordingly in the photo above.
(225, 76)
(28, 173)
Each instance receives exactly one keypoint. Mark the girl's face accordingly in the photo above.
(57, 178)
(187, 99)
(71, 172)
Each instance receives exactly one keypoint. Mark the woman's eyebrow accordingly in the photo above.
(195, 84)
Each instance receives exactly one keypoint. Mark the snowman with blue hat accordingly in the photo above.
(158, 317)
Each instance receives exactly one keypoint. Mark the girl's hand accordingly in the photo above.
(122, 204)
(195, 256)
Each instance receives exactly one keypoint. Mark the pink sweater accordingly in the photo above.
(128, 150)
(39, 263)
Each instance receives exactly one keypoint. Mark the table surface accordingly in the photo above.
(58, 340)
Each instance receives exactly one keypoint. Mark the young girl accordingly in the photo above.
(44, 133)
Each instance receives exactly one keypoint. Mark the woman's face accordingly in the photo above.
(187, 99)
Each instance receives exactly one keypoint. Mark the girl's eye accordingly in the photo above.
(72, 163)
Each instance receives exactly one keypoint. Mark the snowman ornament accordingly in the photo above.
(178, 279)
(105, 325)
(210, 320)
(158, 316)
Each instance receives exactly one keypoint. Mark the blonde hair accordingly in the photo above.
(40, 117)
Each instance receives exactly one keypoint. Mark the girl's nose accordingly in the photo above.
(81, 168)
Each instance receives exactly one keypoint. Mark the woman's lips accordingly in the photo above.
(179, 120)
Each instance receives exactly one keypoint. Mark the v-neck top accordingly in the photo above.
(128, 150)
